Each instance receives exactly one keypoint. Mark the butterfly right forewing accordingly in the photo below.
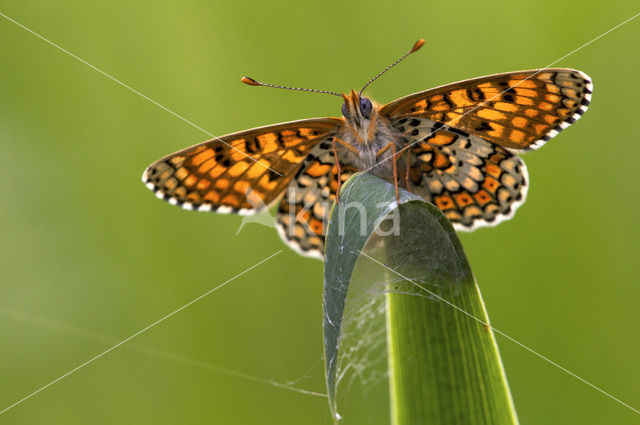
(518, 110)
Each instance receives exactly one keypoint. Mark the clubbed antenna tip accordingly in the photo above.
(249, 81)
(418, 45)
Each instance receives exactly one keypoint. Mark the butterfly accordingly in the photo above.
(455, 146)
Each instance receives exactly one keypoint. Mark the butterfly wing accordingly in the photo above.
(518, 110)
(304, 211)
(220, 174)
(474, 182)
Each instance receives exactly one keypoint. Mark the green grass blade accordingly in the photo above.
(405, 325)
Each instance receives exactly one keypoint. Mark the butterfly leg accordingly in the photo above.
(406, 174)
(335, 156)
(335, 139)
(394, 160)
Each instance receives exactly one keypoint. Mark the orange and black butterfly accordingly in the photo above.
(454, 145)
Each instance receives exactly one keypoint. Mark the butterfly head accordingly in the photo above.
(359, 112)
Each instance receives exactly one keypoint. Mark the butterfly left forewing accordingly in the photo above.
(240, 172)
(517, 110)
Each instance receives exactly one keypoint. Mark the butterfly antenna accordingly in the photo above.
(418, 44)
(252, 82)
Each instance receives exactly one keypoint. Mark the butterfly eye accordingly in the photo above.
(365, 107)
(345, 110)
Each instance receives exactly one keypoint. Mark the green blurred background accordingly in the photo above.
(88, 256)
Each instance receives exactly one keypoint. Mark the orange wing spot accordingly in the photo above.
(238, 168)
(493, 170)
(178, 160)
(486, 85)
(206, 166)
(221, 184)
(441, 139)
(491, 114)
(497, 131)
(570, 92)
(267, 185)
(509, 180)
(519, 121)
(316, 241)
(236, 155)
(231, 200)
(506, 107)
(440, 161)
(526, 92)
(255, 171)
(165, 175)
(551, 119)
(444, 202)
(482, 197)
(531, 112)
(553, 98)
(569, 103)
(552, 88)
(238, 144)
(333, 187)
(503, 195)
(419, 106)
(203, 184)
(191, 180)
(490, 184)
(268, 142)
(306, 132)
(217, 171)
(212, 196)
(181, 173)
(464, 199)
(521, 100)
(180, 192)
(290, 156)
(316, 169)
(540, 128)
(453, 117)
(545, 76)
(193, 197)
(202, 157)
(440, 107)
(241, 186)
(545, 106)
(517, 136)
(453, 215)
(170, 184)
(525, 84)
(459, 97)
(316, 226)
(310, 133)
(472, 211)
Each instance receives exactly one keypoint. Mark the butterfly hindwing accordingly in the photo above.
(518, 110)
(218, 174)
(305, 207)
(474, 182)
